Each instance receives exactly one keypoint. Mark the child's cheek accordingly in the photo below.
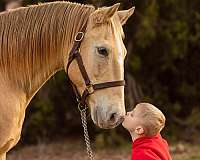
(125, 124)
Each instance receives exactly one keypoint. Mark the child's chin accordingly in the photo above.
(123, 124)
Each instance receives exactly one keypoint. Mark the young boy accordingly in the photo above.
(144, 124)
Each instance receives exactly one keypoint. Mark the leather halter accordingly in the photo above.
(90, 88)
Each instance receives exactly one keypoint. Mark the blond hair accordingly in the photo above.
(153, 120)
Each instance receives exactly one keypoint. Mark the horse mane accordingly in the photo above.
(31, 37)
(37, 37)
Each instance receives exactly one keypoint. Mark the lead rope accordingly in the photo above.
(86, 135)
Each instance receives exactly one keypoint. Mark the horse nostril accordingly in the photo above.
(113, 116)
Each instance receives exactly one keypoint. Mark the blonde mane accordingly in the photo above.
(35, 37)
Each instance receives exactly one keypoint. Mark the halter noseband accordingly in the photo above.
(90, 88)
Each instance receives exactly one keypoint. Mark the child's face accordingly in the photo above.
(132, 119)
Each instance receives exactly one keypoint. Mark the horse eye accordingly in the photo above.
(102, 51)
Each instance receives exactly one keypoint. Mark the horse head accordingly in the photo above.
(103, 53)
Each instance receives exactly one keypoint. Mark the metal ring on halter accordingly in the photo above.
(90, 88)
(82, 108)
(79, 36)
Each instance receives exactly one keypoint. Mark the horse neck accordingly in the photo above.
(55, 64)
(31, 73)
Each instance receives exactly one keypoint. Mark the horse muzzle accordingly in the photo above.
(106, 119)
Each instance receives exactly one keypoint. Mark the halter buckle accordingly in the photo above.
(79, 36)
(90, 88)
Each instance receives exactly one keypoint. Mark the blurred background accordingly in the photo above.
(162, 67)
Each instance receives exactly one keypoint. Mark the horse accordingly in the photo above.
(35, 43)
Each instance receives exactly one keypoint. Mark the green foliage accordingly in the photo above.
(167, 46)
(193, 119)
(146, 28)
(109, 138)
(42, 120)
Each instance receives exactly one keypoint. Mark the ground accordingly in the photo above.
(76, 151)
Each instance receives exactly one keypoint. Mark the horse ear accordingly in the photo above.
(125, 14)
(101, 15)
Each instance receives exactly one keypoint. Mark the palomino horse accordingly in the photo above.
(34, 44)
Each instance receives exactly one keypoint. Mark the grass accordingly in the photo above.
(71, 150)
(190, 152)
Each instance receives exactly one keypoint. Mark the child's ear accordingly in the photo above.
(139, 130)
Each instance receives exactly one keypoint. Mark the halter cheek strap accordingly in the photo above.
(90, 88)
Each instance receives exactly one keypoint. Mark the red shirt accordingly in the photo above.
(150, 148)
